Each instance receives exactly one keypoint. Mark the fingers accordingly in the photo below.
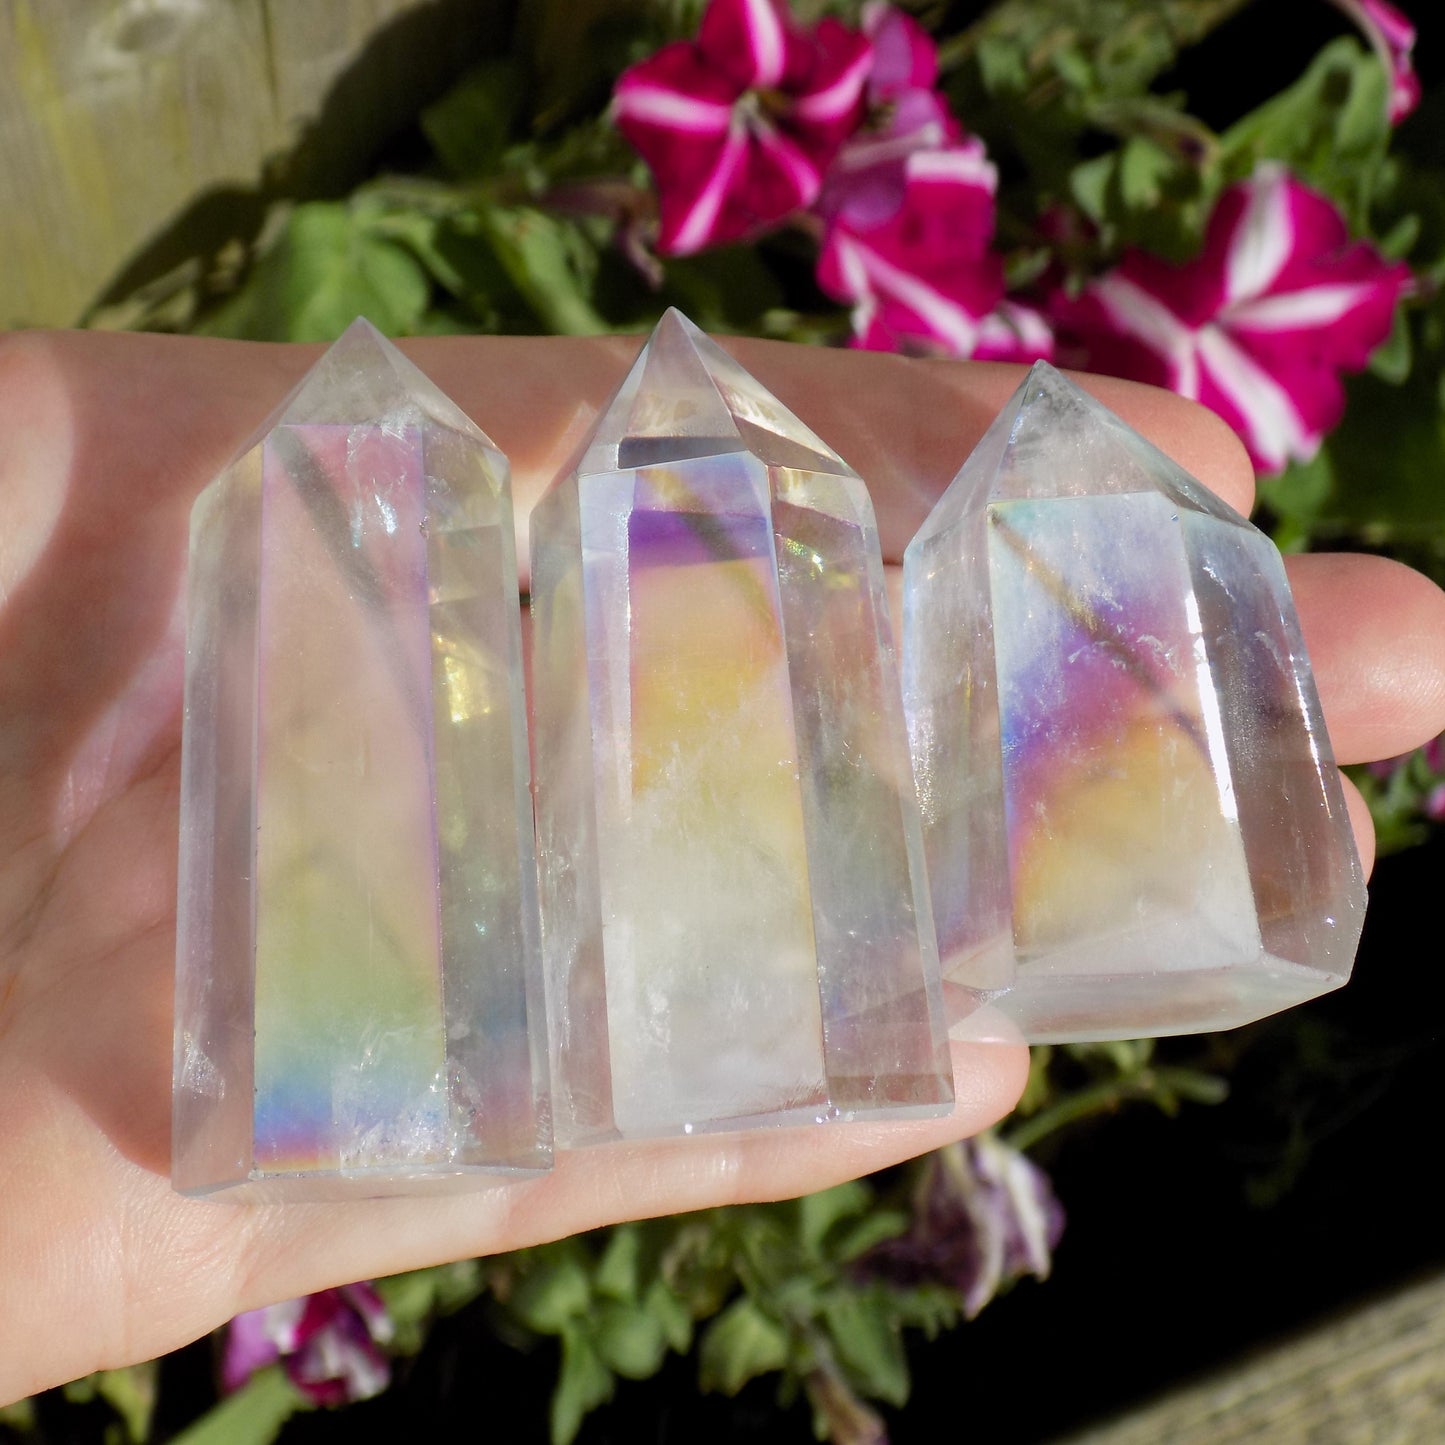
(1375, 631)
(1362, 823)
(294, 1248)
(904, 426)
(173, 410)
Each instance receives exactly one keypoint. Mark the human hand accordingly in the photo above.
(104, 442)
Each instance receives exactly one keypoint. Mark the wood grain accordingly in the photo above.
(117, 114)
(1375, 1376)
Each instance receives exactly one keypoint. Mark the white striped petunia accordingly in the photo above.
(738, 125)
(1258, 327)
(919, 276)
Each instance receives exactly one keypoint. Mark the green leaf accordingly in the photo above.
(1039, 1087)
(414, 1298)
(617, 1270)
(671, 1314)
(1388, 457)
(1072, 67)
(583, 1383)
(1002, 65)
(723, 289)
(740, 1344)
(550, 262)
(1143, 167)
(1392, 359)
(253, 1415)
(1090, 183)
(1329, 127)
(471, 125)
(875, 1226)
(868, 1343)
(1297, 497)
(131, 1393)
(818, 1213)
(629, 1338)
(19, 1415)
(553, 1293)
(322, 271)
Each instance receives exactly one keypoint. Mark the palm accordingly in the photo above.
(105, 442)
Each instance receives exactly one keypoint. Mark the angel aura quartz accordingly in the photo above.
(1131, 815)
(735, 928)
(358, 1004)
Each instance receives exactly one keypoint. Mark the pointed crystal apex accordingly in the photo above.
(363, 379)
(686, 397)
(1053, 439)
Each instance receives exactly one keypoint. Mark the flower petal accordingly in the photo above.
(904, 55)
(923, 278)
(834, 99)
(690, 212)
(1259, 326)
(1266, 415)
(1014, 332)
(747, 40)
(1392, 37)
(248, 1348)
(641, 104)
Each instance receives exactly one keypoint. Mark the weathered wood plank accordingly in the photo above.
(115, 113)
(1373, 1377)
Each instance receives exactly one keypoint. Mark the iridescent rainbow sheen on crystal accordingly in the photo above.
(358, 996)
(1132, 818)
(733, 921)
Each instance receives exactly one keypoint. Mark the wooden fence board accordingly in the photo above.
(1375, 1376)
(116, 113)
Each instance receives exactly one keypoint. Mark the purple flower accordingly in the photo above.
(984, 1215)
(738, 125)
(326, 1342)
(1392, 37)
(1259, 326)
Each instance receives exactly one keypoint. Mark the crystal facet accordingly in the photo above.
(735, 927)
(358, 1003)
(1132, 819)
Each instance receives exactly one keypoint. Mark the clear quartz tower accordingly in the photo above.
(1132, 818)
(735, 927)
(358, 1001)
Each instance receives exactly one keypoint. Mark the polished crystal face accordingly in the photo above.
(358, 1003)
(1132, 818)
(735, 927)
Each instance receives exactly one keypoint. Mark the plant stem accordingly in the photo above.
(1110, 1094)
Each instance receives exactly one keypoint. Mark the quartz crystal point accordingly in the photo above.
(1132, 818)
(358, 1003)
(735, 925)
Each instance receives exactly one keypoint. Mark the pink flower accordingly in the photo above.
(866, 180)
(920, 276)
(1434, 806)
(1013, 331)
(903, 73)
(327, 1343)
(738, 125)
(907, 208)
(1392, 37)
(1259, 326)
